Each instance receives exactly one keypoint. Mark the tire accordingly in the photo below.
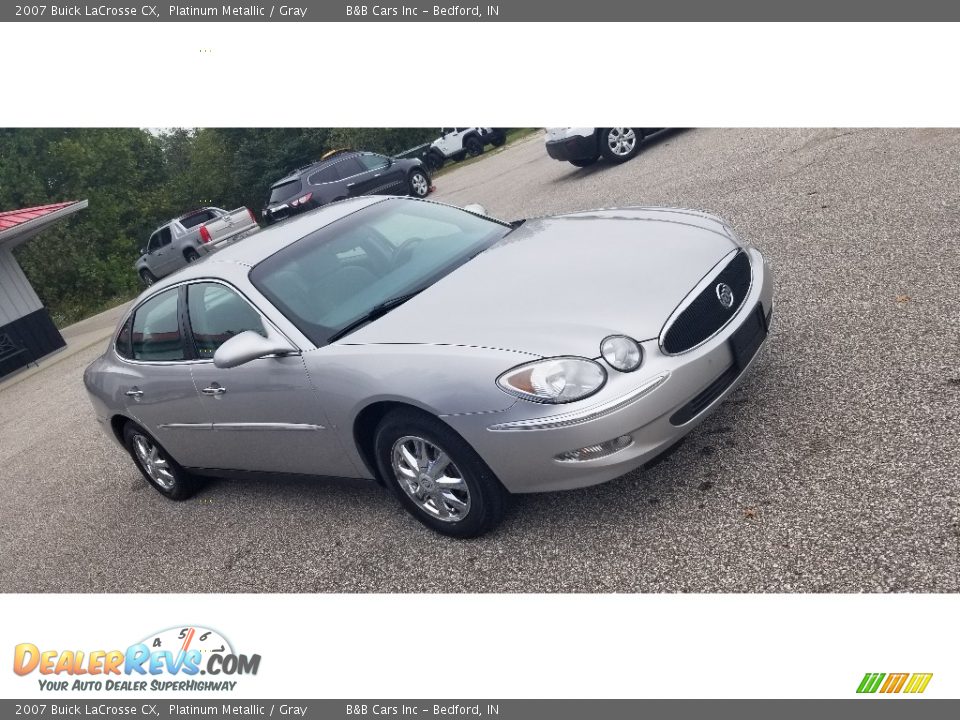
(147, 277)
(620, 144)
(473, 502)
(157, 467)
(459, 157)
(418, 184)
(473, 146)
(434, 160)
(499, 139)
(584, 162)
(191, 255)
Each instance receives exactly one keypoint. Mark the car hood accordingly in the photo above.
(559, 285)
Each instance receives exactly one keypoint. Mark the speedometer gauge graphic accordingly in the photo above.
(189, 637)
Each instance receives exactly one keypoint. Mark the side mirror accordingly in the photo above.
(143, 251)
(247, 346)
(476, 209)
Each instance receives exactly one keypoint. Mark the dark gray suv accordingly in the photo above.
(341, 175)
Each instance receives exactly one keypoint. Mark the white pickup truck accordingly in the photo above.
(190, 237)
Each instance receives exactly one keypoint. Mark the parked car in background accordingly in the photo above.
(456, 143)
(584, 146)
(341, 175)
(452, 357)
(189, 237)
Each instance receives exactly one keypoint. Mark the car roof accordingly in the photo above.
(301, 171)
(268, 241)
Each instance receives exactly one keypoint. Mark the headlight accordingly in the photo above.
(623, 353)
(557, 380)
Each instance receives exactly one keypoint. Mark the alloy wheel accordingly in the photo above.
(430, 478)
(420, 185)
(153, 462)
(621, 141)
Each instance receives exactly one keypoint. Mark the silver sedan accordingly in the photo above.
(451, 357)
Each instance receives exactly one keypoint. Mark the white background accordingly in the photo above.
(381, 74)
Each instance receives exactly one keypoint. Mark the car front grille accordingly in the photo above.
(706, 314)
(744, 344)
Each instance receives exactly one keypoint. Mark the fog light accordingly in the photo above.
(595, 452)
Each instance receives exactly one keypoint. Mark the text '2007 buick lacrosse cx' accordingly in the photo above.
(447, 355)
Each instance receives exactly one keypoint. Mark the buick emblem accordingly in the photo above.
(725, 295)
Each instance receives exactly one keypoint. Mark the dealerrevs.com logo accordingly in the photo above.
(182, 659)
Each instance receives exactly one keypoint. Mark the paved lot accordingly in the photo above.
(835, 468)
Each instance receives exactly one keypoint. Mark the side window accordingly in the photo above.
(349, 167)
(154, 242)
(164, 235)
(326, 175)
(373, 162)
(217, 313)
(123, 339)
(156, 329)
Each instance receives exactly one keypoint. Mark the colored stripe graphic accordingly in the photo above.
(918, 683)
(870, 682)
(894, 683)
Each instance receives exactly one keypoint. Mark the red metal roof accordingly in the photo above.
(12, 218)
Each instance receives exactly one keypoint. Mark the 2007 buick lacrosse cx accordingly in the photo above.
(449, 356)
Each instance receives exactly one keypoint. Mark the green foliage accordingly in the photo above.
(135, 180)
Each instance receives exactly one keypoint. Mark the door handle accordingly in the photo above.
(135, 393)
(214, 390)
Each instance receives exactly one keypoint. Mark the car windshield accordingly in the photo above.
(357, 267)
(284, 191)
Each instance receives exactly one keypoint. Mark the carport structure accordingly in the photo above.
(27, 333)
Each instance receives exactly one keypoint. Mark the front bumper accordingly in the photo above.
(651, 406)
(576, 147)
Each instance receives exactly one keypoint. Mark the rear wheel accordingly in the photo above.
(437, 476)
(434, 160)
(473, 146)
(620, 144)
(419, 185)
(191, 255)
(499, 138)
(147, 277)
(156, 465)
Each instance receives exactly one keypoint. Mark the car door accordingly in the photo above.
(163, 259)
(156, 382)
(388, 176)
(266, 415)
(354, 177)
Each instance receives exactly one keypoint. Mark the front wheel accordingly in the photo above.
(147, 277)
(156, 465)
(419, 185)
(620, 144)
(437, 476)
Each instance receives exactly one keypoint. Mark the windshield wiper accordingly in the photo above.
(377, 311)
